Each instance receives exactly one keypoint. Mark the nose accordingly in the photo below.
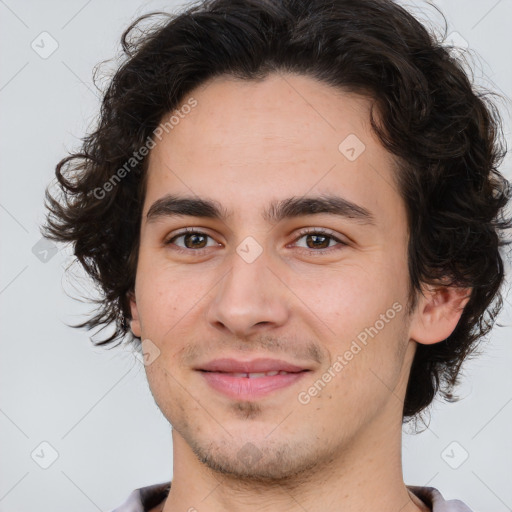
(249, 299)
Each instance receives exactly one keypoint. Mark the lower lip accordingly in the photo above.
(245, 388)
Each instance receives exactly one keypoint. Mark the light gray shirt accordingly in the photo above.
(145, 498)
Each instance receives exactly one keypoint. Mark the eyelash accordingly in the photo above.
(302, 233)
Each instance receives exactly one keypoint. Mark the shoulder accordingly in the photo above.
(145, 498)
(434, 499)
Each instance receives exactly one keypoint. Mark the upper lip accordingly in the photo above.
(254, 366)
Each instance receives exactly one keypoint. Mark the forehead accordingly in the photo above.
(287, 135)
(286, 115)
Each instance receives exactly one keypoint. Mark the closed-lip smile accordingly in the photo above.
(252, 379)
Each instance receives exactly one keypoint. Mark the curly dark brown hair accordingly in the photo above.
(446, 136)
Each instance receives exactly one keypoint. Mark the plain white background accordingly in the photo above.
(92, 405)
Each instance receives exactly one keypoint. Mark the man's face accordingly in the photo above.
(250, 286)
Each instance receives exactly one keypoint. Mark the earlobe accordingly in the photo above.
(135, 321)
(437, 313)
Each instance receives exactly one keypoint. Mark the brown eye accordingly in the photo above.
(190, 240)
(194, 240)
(318, 240)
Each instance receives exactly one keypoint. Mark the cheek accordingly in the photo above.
(346, 299)
(167, 392)
(165, 295)
(358, 313)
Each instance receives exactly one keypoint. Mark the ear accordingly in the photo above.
(135, 321)
(437, 313)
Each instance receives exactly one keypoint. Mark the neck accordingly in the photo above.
(365, 475)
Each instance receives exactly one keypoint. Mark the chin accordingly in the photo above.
(258, 462)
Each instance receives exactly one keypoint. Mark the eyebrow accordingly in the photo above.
(173, 205)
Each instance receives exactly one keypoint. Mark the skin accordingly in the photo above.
(244, 144)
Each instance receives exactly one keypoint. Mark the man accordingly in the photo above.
(293, 208)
